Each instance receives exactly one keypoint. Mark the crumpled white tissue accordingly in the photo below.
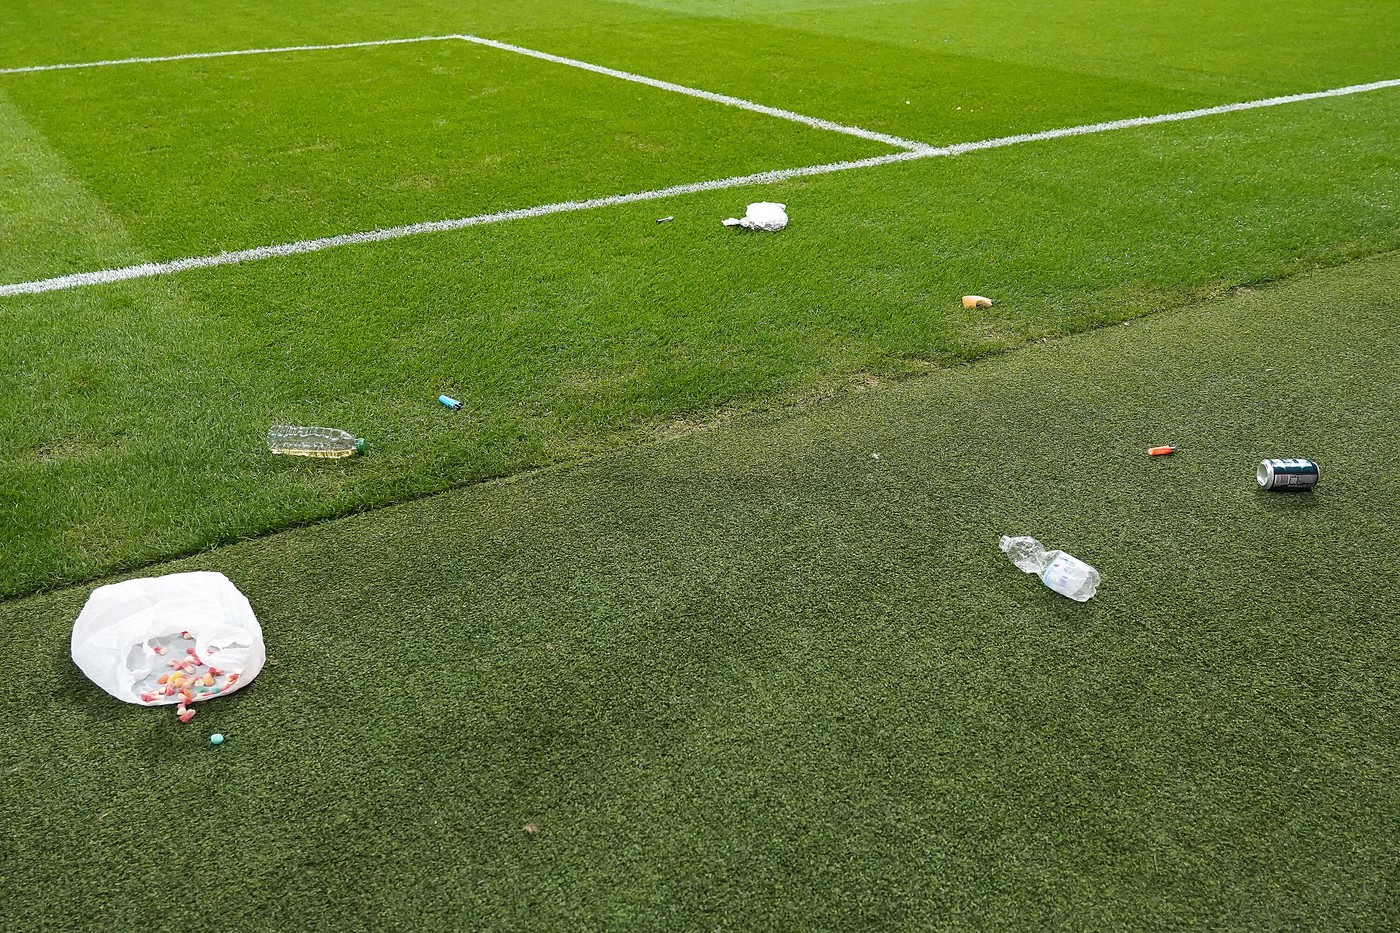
(764, 215)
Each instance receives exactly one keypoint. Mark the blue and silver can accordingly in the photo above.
(1296, 473)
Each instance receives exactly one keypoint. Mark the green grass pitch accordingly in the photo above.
(750, 679)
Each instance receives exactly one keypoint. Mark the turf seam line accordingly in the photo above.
(814, 122)
(150, 269)
(227, 54)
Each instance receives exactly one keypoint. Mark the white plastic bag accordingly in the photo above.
(762, 215)
(128, 634)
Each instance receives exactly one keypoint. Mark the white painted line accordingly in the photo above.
(725, 99)
(147, 270)
(197, 55)
(1132, 122)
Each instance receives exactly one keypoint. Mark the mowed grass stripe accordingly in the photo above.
(147, 270)
(760, 679)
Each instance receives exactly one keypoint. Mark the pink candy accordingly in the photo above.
(186, 681)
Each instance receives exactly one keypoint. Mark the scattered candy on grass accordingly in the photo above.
(216, 739)
(189, 679)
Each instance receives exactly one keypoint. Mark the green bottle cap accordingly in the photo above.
(359, 445)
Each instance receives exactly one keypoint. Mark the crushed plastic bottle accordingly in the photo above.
(1063, 573)
(313, 442)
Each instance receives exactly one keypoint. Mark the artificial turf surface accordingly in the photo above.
(759, 678)
(132, 415)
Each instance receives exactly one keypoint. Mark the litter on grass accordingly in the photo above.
(762, 215)
(313, 442)
(976, 301)
(1161, 451)
(1063, 573)
(1297, 474)
(179, 639)
(450, 402)
(664, 220)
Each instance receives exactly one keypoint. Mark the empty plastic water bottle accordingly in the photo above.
(313, 442)
(1063, 573)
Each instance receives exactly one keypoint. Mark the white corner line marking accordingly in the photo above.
(151, 269)
(198, 55)
(725, 99)
(814, 122)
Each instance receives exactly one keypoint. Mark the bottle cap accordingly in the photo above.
(359, 445)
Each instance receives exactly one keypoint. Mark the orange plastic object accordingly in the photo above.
(1161, 451)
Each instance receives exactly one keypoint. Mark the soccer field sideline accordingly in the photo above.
(912, 150)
